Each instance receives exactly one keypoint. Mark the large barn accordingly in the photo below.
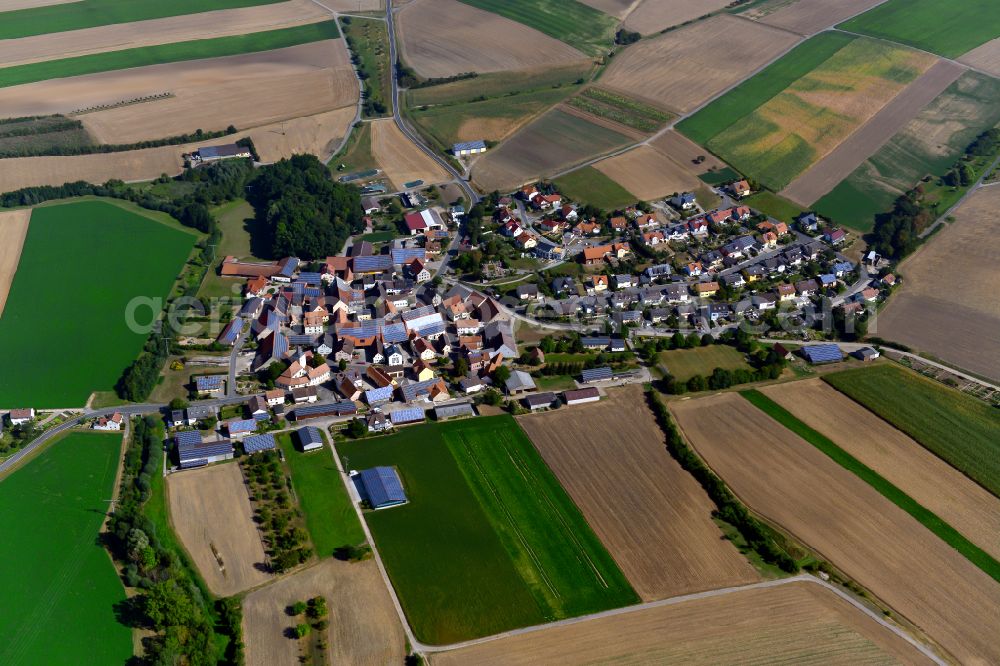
(382, 488)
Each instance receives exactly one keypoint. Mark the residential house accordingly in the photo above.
(785, 291)
(683, 201)
(705, 289)
(740, 188)
(113, 422)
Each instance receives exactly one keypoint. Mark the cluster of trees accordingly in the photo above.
(316, 613)
(171, 603)
(288, 543)
(33, 150)
(625, 37)
(18, 436)
(757, 535)
(301, 211)
(409, 79)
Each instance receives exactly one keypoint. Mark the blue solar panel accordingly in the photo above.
(433, 328)
(416, 389)
(379, 395)
(309, 435)
(250, 307)
(200, 453)
(187, 438)
(241, 425)
(596, 374)
(394, 333)
(404, 255)
(383, 487)
(410, 415)
(372, 264)
(280, 347)
(338, 408)
(259, 443)
(208, 383)
(595, 342)
(822, 353)
(310, 278)
(231, 331)
(417, 313)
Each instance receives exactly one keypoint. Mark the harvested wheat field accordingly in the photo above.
(611, 7)
(210, 509)
(400, 159)
(807, 16)
(985, 57)
(942, 311)
(655, 15)
(686, 152)
(318, 135)
(12, 5)
(652, 516)
(364, 627)
(13, 230)
(798, 622)
(647, 173)
(189, 27)
(440, 38)
(678, 72)
(933, 483)
(838, 164)
(354, 5)
(872, 540)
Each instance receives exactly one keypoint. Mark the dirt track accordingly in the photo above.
(825, 174)
(946, 312)
(798, 623)
(441, 38)
(364, 628)
(13, 230)
(930, 481)
(650, 514)
(210, 507)
(846, 520)
(188, 27)
(678, 70)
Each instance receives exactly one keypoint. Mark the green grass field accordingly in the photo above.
(59, 586)
(684, 364)
(621, 109)
(489, 540)
(167, 53)
(589, 185)
(64, 327)
(742, 100)
(720, 176)
(499, 84)
(928, 144)
(946, 28)
(575, 23)
(774, 205)
(958, 428)
(234, 219)
(924, 516)
(330, 517)
(93, 13)
(369, 40)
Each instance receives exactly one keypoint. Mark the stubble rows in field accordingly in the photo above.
(806, 16)
(651, 16)
(13, 229)
(400, 159)
(798, 623)
(647, 173)
(650, 514)
(211, 513)
(795, 485)
(985, 57)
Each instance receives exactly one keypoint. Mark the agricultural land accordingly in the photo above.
(77, 237)
(364, 627)
(676, 72)
(651, 515)
(827, 507)
(686, 363)
(958, 428)
(482, 546)
(400, 160)
(805, 17)
(64, 583)
(649, 173)
(211, 513)
(929, 480)
(13, 229)
(652, 16)
(795, 623)
(593, 185)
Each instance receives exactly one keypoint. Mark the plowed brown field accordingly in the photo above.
(364, 627)
(652, 16)
(13, 229)
(684, 68)
(647, 173)
(871, 539)
(441, 38)
(985, 57)
(946, 312)
(933, 483)
(651, 515)
(795, 623)
(209, 507)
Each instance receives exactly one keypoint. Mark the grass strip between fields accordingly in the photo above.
(168, 53)
(92, 13)
(924, 516)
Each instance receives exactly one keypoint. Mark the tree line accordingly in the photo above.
(93, 149)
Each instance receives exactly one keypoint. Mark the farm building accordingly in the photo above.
(519, 382)
(310, 438)
(381, 487)
(460, 410)
(209, 384)
(226, 151)
(827, 353)
(377, 422)
(596, 375)
(238, 428)
(537, 401)
(866, 354)
(379, 396)
(193, 452)
(343, 408)
(304, 394)
(405, 416)
(581, 396)
(418, 223)
(256, 443)
(467, 148)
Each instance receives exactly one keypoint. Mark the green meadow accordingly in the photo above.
(167, 53)
(59, 588)
(92, 13)
(579, 25)
(489, 540)
(63, 332)
(947, 28)
(591, 186)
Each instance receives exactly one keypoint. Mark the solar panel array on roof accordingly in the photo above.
(409, 415)
(209, 383)
(336, 408)
(595, 342)
(375, 263)
(288, 267)
(241, 425)
(404, 255)
(452, 411)
(257, 443)
(414, 390)
(430, 329)
(596, 375)
(251, 307)
(379, 395)
(309, 437)
(302, 340)
(310, 278)
(280, 347)
(822, 353)
(394, 333)
(382, 487)
(231, 331)
(363, 329)
(187, 438)
(197, 456)
(417, 313)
